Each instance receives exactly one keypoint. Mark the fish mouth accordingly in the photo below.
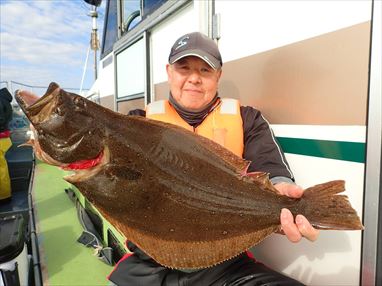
(65, 146)
(33, 105)
(84, 169)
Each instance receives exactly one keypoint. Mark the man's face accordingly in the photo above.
(193, 83)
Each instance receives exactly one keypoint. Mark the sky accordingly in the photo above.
(47, 40)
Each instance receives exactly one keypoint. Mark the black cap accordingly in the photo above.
(198, 45)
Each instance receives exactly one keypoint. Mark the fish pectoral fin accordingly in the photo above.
(30, 142)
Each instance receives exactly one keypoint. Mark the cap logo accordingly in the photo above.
(182, 42)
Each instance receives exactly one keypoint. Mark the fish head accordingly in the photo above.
(65, 126)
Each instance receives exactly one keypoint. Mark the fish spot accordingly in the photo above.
(172, 230)
(225, 232)
(124, 173)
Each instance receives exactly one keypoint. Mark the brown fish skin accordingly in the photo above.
(183, 199)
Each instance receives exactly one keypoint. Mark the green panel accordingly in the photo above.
(64, 261)
(106, 224)
(339, 150)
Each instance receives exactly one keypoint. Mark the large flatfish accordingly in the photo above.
(183, 199)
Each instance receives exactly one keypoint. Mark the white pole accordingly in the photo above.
(94, 38)
(85, 66)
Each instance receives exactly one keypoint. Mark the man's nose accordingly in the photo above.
(194, 77)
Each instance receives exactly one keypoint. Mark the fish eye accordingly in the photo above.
(79, 101)
(59, 111)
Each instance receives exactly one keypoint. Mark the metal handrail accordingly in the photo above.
(39, 86)
(130, 19)
(10, 85)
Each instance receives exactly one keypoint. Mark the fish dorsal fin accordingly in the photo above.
(262, 179)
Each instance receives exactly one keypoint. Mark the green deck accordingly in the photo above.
(64, 261)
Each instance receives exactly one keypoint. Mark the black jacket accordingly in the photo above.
(5, 109)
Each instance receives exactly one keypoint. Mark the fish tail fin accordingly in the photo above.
(325, 208)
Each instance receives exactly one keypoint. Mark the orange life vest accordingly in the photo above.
(223, 125)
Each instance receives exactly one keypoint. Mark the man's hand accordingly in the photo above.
(295, 230)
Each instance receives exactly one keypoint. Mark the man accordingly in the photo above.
(194, 71)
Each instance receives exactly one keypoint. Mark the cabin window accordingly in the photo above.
(131, 71)
(134, 11)
(110, 32)
(131, 14)
(151, 5)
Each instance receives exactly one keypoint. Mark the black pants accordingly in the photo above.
(141, 270)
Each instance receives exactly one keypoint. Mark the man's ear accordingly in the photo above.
(168, 70)
(219, 74)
